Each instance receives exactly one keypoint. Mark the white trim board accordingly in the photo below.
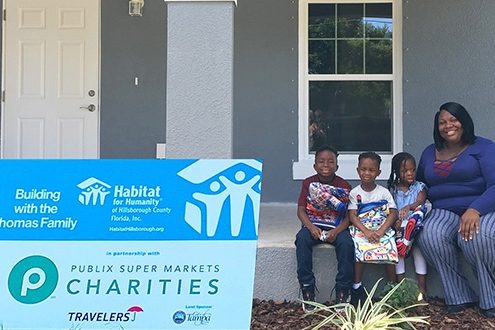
(348, 162)
(234, 1)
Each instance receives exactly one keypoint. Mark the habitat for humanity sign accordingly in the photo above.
(128, 244)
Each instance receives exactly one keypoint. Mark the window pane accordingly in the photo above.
(321, 21)
(321, 57)
(379, 56)
(350, 56)
(353, 116)
(378, 20)
(350, 21)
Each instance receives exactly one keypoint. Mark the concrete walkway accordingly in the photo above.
(275, 276)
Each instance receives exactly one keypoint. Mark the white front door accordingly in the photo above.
(51, 107)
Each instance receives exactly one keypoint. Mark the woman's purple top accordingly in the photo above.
(470, 182)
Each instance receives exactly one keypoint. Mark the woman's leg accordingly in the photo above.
(480, 253)
(438, 242)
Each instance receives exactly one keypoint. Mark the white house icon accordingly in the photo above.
(93, 190)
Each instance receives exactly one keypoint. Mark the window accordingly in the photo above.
(349, 81)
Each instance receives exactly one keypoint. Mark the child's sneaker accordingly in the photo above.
(341, 297)
(308, 295)
(358, 295)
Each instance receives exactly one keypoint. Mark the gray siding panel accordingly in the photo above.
(448, 49)
(266, 91)
(448, 56)
(132, 117)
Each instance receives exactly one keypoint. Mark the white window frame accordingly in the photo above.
(348, 161)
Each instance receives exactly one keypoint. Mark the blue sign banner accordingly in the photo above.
(128, 244)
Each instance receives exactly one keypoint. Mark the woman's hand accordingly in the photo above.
(469, 224)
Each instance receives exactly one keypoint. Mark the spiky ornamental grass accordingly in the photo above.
(369, 316)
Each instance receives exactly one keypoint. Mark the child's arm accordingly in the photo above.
(332, 234)
(389, 221)
(420, 199)
(354, 220)
(303, 217)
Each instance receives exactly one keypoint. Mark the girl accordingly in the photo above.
(410, 196)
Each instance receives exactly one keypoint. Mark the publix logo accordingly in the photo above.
(33, 279)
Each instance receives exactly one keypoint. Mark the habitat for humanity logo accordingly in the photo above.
(33, 279)
(93, 191)
(238, 187)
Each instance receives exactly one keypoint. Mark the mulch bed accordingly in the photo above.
(284, 315)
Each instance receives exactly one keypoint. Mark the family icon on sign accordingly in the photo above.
(238, 188)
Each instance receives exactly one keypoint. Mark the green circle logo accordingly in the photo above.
(33, 279)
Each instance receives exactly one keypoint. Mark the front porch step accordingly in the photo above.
(275, 276)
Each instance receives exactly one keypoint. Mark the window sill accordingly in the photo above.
(347, 167)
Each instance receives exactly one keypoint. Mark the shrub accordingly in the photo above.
(405, 294)
(368, 316)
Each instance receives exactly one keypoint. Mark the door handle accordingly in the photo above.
(90, 108)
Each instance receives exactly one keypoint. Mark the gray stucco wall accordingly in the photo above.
(266, 91)
(448, 56)
(199, 79)
(448, 49)
(132, 117)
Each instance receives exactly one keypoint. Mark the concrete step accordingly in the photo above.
(275, 276)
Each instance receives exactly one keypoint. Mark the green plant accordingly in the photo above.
(368, 316)
(405, 294)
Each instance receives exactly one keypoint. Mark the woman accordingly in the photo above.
(459, 170)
